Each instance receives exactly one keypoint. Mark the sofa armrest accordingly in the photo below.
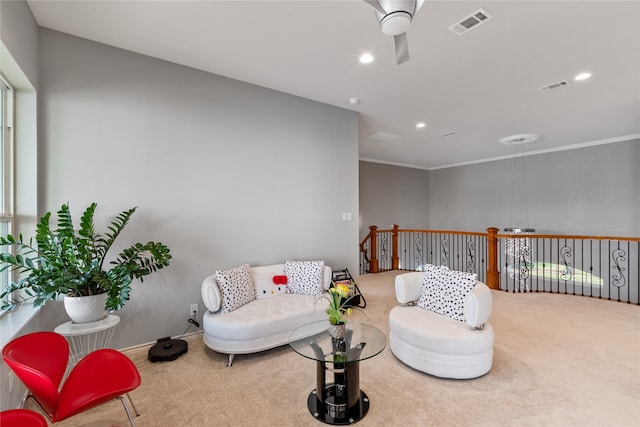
(409, 286)
(326, 277)
(478, 305)
(211, 293)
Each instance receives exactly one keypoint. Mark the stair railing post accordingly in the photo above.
(373, 247)
(493, 275)
(395, 260)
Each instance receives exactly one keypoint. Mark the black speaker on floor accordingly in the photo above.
(167, 349)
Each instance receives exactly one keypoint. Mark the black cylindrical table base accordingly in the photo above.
(334, 410)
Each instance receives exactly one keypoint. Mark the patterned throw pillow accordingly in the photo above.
(269, 285)
(443, 291)
(304, 277)
(236, 286)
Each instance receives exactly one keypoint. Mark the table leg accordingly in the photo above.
(352, 382)
(321, 375)
(341, 402)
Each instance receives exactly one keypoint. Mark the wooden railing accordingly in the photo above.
(596, 266)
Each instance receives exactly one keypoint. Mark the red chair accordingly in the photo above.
(40, 361)
(21, 418)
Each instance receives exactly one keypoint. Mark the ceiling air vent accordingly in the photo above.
(555, 85)
(384, 136)
(472, 21)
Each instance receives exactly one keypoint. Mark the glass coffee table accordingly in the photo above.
(340, 402)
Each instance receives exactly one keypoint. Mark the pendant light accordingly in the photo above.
(519, 251)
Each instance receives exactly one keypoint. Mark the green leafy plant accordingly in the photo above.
(66, 262)
(338, 303)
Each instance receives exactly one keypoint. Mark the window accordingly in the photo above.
(6, 165)
(18, 172)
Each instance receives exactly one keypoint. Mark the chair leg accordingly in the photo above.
(230, 360)
(133, 406)
(23, 404)
(126, 408)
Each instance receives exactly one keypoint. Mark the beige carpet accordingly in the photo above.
(559, 361)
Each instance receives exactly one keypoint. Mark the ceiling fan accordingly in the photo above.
(395, 18)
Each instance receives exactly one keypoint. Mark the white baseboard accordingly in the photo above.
(149, 344)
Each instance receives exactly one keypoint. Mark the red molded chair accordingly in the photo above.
(40, 361)
(21, 418)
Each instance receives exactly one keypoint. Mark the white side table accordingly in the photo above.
(87, 337)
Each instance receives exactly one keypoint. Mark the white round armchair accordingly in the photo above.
(437, 344)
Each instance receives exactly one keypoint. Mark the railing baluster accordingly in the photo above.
(602, 267)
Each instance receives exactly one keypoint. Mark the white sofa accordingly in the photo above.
(436, 344)
(263, 323)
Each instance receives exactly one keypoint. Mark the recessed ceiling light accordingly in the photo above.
(582, 76)
(366, 58)
(420, 125)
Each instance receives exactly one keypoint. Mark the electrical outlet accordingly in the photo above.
(193, 310)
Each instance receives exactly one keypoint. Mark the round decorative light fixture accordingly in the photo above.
(524, 138)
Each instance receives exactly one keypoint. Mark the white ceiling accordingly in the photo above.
(482, 86)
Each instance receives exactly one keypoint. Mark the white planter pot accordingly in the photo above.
(86, 309)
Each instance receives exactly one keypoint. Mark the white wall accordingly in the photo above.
(223, 172)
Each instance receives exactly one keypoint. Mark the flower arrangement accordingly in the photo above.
(338, 299)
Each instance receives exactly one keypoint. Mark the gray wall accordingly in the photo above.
(393, 195)
(223, 172)
(19, 34)
(588, 191)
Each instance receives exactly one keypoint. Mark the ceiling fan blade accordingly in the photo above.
(402, 48)
(376, 6)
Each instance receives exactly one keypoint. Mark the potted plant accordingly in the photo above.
(338, 308)
(73, 263)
